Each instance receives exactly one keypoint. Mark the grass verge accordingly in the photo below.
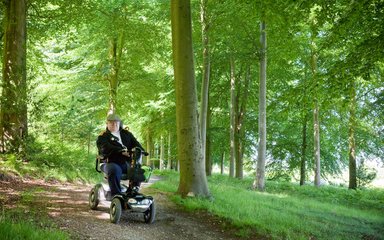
(23, 222)
(288, 211)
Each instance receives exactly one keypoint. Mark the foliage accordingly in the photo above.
(68, 62)
(365, 175)
(288, 211)
(52, 161)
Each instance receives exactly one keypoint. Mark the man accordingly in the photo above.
(114, 144)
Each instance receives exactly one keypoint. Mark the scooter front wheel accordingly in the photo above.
(149, 215)
(115, 210)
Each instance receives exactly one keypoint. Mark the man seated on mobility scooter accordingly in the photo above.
(118, 162)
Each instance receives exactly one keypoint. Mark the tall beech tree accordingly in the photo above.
(205, 82)
(259, 182)
(193, 180)
(351, 137)
(242, 98)
(316, 123)
(13, 116)
(116, 46)
(232, 130)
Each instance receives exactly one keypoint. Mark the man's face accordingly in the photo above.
(113, 126)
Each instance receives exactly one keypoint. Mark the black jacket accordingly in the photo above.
(109, 146)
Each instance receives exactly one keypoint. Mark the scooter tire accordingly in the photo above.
(150, 214)
(94, 197)
(115, 210)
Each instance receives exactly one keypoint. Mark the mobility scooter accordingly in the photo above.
(130, 200)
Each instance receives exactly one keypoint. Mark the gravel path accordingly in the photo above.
(67, 205)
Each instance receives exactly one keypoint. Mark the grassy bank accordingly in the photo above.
(288, 211)
(20, 223)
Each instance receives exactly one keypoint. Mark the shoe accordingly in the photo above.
(135, 189)
(108, 196)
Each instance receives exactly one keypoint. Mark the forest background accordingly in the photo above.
(324, 57)
(287, 90)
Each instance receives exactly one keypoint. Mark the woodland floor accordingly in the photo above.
(67, 206)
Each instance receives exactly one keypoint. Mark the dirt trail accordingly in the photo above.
(67, 205)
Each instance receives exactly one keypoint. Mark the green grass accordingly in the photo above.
(283, 211)
(288, 211)
(22, 224)
(56, 164)
(25, 230)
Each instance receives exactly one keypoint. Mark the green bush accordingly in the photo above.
(365, 175)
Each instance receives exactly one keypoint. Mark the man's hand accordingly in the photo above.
(125, 152)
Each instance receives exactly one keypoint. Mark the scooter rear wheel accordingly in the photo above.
(94, 197)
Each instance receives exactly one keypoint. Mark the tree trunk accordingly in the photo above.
(206, 71)
(115, 52)
(303, 149)
(304, 135)
(169, 162)
(316, 135)
(193, 181)
(161, 163)
(222, 163)
(316, 124)
(240, 131)
(13, 117)
(149, 148)
(260, 170)
(208, 158)
(351, 138)
(232, 121)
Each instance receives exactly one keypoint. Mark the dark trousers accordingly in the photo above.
(114, 172)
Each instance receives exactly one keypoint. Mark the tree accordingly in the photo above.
(233, 111)
(205, 83)
(116, 46)
(242, 98)
(13, 117)
(316, 127)
(260, 171)
(351, 137)
(193, 180)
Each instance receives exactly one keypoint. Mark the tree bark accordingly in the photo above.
(232, 120)
(351, 138)
(303, 149)
(169, 162)
(240, 131)
(149, 148)
(13, 116)
(161, 163)
(304, 135)
(193, 181)
(316, 136)
(115, 52)
(208, 158)
(222, 163)
(206, 71)
(316, 124)
(260, 169)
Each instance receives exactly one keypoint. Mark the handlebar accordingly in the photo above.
(137, 151)
(133, 150)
